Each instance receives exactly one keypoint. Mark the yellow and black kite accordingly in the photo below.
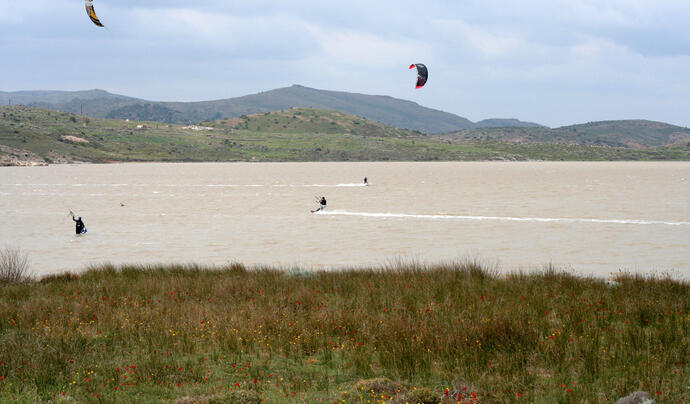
(91, 13)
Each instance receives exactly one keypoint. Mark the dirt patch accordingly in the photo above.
(75, 139)
(197, 128)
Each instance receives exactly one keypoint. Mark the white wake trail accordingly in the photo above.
(504, 218)
(336, 185)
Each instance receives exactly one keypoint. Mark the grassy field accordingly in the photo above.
(298, 134)
(403, 333)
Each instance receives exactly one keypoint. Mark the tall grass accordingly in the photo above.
(14, 265)
(436, 333)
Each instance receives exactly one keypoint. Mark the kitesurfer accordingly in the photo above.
(80, 227)
(322, 205)
(366, 182)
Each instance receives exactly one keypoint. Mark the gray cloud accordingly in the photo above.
(551, 61)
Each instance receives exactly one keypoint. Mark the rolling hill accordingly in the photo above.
(625, 133)
(30, 136)
(384, 109)
(93, 103)
(58, 97)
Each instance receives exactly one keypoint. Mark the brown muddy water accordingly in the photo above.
(589, 218)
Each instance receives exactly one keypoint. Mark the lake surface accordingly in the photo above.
(592, 218)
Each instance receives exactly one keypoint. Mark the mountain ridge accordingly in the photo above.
(381, 108)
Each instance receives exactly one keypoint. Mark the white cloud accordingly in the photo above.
(361, 49)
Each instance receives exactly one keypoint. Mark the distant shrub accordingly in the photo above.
(14, 265)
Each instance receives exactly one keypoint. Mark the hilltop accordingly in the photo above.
(625, 133)
(58, 97)
(92, 103)
(506, 123)
(384, 109)
(31, 136)
(309, 120)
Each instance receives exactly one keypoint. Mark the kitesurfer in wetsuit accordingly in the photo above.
(366, 182)
(79, 225)
(322, 203)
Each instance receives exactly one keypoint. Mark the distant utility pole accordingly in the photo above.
(10, 102)
(81, 109)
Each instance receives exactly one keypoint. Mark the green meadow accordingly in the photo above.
(403, 333)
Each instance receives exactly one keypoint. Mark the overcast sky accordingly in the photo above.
(555, 62)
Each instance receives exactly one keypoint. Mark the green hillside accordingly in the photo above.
(32, 135)
(308, 120)
(388, 110)
(400, 113)
(630, 133)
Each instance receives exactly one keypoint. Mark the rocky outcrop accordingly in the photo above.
(10, 156)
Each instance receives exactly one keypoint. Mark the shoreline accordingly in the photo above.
(42, 163)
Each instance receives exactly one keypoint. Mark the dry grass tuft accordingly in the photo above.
(14, 265)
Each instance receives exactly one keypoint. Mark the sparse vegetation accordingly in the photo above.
(14, 265)
(404, 333)
(299, 135)
(637, 134)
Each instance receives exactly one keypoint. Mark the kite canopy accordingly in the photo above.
(422, 74)
(92, 13)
